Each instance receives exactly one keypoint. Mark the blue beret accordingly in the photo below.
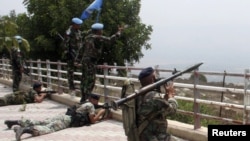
(145, 72)
(97, 26)
(18, 38)
(77, 21)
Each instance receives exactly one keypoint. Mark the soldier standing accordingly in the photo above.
(72, 43)
(93, 45)
(17, 67)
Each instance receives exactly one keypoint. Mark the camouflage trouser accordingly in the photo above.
(70, 71)
(17, 77)
(155, 131)
(15, 98)
(48, 125)
(88, 78)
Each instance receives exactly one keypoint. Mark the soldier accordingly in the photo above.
(85, 114)
(153, 109)
(93, 45)
(72, 43)
(21, 97)
(17, 67)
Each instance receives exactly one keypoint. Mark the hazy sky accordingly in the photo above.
(216, 32)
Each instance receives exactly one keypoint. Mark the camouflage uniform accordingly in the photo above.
(56, 123)
(48, 125)
(18, 97)
(17, 65)
(92, 51)
(73, 42)
(155, 109)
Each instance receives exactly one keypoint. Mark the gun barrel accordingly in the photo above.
(117, 103)
(48, 92)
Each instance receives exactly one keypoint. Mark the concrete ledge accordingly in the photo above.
(186, 131)
(65, 99)
(179, 129)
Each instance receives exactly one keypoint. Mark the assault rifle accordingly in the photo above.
(144, 90)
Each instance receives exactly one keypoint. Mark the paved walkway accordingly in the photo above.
(109, 130)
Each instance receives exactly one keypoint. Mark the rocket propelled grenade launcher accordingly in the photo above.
(115, 104)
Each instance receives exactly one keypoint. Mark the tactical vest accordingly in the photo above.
(78, 119)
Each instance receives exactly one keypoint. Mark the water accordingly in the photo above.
(203, 68)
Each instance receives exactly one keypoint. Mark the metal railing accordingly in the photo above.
(232, 99)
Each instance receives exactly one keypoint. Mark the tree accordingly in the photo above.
(48, 18)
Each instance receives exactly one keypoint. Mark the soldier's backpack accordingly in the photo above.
(129, 112)
(78, 119)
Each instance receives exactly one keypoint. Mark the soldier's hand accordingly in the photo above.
(120, 29)
(170, 91)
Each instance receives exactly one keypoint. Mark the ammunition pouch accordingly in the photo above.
(71, 54)
(19, 97)
(78, 119)
(89, 59)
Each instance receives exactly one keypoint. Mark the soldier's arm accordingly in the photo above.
(114, 36)
(169, 96)
(96, 117)
(39, 98)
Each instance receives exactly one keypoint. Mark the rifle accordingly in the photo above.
(48, 92)
(104, 106)
(26, 71)
(144, 90)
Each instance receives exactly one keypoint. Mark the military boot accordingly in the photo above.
(21, 130)
(10, 123)
(2, 101)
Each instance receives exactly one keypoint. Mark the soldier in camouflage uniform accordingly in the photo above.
(22, 97)
(93, 45)
(17, 67)
(153, 109)
(59, 122)
(72, 43)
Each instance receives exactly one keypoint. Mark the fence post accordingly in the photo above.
(128, 69)
(6, 68)
(246, 117)
(3, 68)
(197, 123)
(105, 81)
(59, 74)
(31, 72)
(39, 71)
(222, 93)
(48, 73)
